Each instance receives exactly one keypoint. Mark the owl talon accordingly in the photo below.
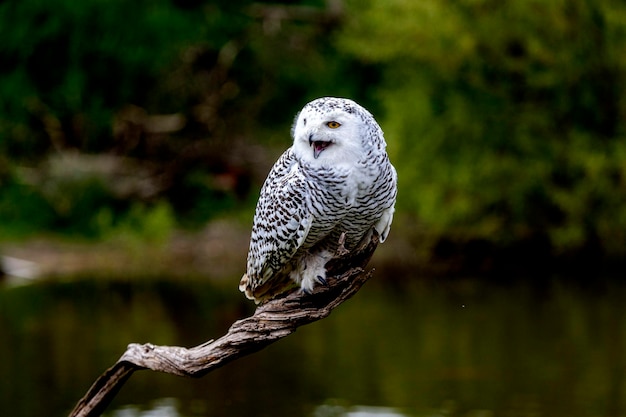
(305, 291)
(322, 280)
(341, 249)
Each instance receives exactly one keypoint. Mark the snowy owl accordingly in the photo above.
(335, 179)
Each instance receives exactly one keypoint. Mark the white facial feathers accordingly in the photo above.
(330, 131)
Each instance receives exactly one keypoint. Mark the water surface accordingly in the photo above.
(428, 348)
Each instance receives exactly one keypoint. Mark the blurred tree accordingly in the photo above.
(67, 66)
(179, 92)
(505, 118)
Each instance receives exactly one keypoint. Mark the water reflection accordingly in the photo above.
(464, 348)
(166, 407)
(326, 410)
(169, 407)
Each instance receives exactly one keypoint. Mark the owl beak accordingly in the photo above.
(318, 146)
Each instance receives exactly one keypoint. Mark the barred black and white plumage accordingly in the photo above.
(336, 178)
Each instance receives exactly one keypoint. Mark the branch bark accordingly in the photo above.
(270, 322)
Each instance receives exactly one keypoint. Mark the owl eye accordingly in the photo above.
(333, 124)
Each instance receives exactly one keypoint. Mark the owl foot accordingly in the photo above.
(308, 286)
(311, 270)
(310, 280)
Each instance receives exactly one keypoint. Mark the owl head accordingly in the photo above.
(331, 131)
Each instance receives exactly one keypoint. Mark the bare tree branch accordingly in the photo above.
(270, 322)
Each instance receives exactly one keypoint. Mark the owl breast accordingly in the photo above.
(345, 200)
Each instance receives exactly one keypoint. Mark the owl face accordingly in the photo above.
(330, 131)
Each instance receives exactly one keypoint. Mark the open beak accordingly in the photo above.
(318, 146)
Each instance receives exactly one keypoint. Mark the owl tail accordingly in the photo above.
(265, 291)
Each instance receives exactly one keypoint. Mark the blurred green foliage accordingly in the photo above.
(23, 210)
(169, 90)
(505, 119)
(68, 66)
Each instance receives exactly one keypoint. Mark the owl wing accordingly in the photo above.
(384, 223)
(281, 225)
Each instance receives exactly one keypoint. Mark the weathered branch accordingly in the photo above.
(270, 322)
